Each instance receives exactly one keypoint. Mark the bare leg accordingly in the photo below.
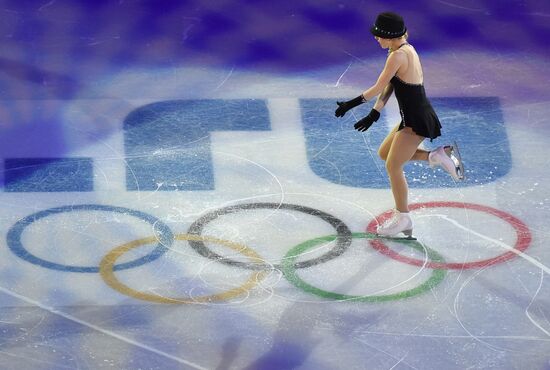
(384, 149)
(404, 146)
(420, 155)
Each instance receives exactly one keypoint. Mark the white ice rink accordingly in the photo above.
(215, 217)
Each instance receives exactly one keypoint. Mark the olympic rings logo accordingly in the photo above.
(259, 268)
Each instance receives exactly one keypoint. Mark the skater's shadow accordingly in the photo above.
(297, 334)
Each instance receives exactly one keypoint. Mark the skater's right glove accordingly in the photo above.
(364, 123)
(343, 107)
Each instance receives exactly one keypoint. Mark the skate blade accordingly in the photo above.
(457, 160)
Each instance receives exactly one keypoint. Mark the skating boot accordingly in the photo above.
(399, 223)
(451, 162)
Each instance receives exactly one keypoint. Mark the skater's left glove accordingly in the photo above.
(344, 106)
(364, 123)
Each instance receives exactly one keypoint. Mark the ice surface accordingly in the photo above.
(174, 200)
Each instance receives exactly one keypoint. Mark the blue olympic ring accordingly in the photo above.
(166, 237)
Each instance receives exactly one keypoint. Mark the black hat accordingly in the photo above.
(388, 25)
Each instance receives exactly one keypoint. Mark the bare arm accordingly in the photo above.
(383, 97)
(394, 61)
(382, 88)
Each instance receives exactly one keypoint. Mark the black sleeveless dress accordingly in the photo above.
(415, 109)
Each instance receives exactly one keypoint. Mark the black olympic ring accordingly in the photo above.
(343, 234)
(165, 237)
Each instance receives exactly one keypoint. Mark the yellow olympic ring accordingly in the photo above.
(107, 273)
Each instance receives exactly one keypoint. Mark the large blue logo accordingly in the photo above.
(337, 153)
(167, 146)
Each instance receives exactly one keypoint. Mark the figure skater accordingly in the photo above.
(403, 75)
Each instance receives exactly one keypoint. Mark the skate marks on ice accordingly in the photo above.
(234, 215)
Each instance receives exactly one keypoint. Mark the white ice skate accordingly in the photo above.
(451, 162)
(398, 223)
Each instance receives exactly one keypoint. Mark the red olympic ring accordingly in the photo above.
(522, 232)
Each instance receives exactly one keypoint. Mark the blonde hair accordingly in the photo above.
(405, 37)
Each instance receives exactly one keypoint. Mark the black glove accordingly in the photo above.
(343, 107)
(364, 123)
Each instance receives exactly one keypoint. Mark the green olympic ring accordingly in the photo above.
(288, 268)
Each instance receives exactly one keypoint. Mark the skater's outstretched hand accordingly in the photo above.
(343, 107)
(364, 123)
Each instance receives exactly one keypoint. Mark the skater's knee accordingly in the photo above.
(393, 166)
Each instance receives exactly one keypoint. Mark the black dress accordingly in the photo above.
(415, 109)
